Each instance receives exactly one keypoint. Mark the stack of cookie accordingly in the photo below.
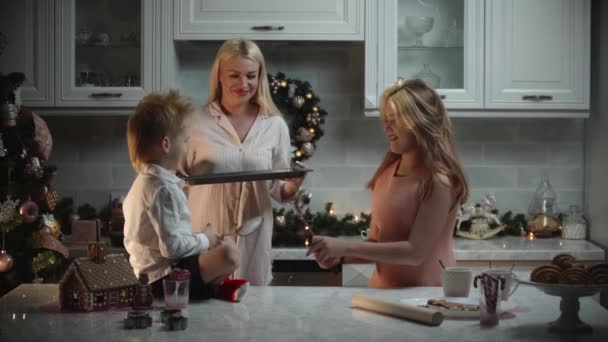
(565, 269)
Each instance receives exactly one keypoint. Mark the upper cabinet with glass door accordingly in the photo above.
(105, 52)
(438, 41)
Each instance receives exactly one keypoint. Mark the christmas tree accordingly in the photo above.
(31, 248)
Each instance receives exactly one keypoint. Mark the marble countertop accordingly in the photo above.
(30, 313)
(501, 248)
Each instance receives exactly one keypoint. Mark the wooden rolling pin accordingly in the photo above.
(414, 313)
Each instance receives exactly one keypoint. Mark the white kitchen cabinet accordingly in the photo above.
(107, 54)
(538, 54)
(28, 26)
(269, 19)
(449, 55)
(486, 58)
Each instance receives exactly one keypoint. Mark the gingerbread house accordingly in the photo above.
(92, 284)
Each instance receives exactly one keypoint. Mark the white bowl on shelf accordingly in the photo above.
(419, 25)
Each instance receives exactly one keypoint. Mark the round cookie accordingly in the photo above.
(599, 273)
(546, 274)
(563, 261)
(575, 276)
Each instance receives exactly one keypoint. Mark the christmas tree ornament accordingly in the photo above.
(279, 221)
(34, 168)
(42, 137)
(308, 149)
(304, 135)
(291, 92)
(50, 221)
(6, 261)
(50, 198)
(8, 115)
(298, 101)
(29, 211)
(45, 230)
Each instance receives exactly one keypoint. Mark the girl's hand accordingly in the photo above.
(325, 248)
(327, 263)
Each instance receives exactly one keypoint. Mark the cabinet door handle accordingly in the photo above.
(268, 28)
(537, 97)
(105, 95)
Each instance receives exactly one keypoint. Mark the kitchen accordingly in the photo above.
(505, 144)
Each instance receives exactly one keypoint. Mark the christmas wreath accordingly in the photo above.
(297, 99)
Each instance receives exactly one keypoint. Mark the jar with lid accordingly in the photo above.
(543, 211)
(575, 225)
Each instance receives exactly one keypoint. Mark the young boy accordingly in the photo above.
(158, 229)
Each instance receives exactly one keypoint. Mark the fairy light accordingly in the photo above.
(298, 153)
(308, 96)
(315, 109)
(356, 218)
(312, 130)
(283, 84)
(332, 212)
(531, 236)
(306, 243)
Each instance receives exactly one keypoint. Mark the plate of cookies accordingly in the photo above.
(570, 279)
(566, 275)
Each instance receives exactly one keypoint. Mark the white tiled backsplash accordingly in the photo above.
(504, 156)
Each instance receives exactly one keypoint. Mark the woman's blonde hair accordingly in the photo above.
(419, 108)
(246, 49)
(157, 115)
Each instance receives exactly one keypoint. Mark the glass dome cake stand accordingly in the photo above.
(569, 321)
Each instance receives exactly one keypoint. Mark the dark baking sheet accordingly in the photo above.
(246, 176)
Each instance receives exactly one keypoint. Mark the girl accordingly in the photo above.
(416, 193)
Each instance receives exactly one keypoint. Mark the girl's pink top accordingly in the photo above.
(394, 209)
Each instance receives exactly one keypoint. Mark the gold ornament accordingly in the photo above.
(298, 101)
(6, 261)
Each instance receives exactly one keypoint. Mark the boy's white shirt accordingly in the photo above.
(158, 227)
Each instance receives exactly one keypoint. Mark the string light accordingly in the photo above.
(531, 236)
(283, 84)
(312, 130)
(308, 96)
(356, 218)
(298, 153)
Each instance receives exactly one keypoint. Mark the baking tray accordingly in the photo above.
(247, 176)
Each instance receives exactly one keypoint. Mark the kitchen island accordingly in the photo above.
(30, 313)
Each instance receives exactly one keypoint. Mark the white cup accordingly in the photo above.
(365, 234)
(510, 283)
(456, 281)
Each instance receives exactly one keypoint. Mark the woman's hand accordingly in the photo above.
(326, 248)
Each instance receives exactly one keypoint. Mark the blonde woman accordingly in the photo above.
(416, 192)
(240, 129)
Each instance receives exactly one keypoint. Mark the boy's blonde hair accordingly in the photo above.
(246, 49)
(157, 115)
(419, 108)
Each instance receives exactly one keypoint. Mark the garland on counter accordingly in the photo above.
(290, 230)
(297, 99)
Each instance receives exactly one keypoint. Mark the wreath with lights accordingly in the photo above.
(300, 103)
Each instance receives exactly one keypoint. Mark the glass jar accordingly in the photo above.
(543, 211)
(575, 225)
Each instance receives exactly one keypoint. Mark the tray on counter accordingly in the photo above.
(246, 176)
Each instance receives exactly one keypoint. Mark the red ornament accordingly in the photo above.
(29, 211)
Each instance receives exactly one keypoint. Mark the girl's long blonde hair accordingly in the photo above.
(246, 49)
(419, 108)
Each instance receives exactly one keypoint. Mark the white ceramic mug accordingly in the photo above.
(510, 283)
(365, 234)
(457, 281)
